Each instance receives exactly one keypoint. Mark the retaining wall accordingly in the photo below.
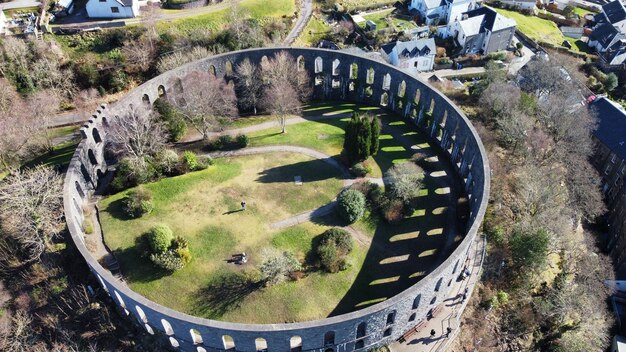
(333, 77)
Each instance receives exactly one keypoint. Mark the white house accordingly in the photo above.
(434, 12)
(413, 56)
(112, 8)
(482, 30)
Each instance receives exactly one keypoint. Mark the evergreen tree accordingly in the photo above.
(364, 138)
(375, 134)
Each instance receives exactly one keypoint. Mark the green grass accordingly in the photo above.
(250, 121)
(62, 131)
(9, 13)
(379, 18)
(535, 27)
(579, 45)
(581, 12)
(313, 32)
(60, 156)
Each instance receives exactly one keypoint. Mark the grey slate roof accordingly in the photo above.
(491, 20)
(611, 129)
(605, 34)
(616, 53)
(432, 4)
(411, 48)
(614, 11)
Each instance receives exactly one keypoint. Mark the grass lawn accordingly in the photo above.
(581, 12)
(351, 4)
(242, 122)
(578, 45)
(313, 32)
(60, 156)
(535, 27)
(379, 18)
(202, 206)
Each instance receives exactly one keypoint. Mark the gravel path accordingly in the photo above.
(306, 8)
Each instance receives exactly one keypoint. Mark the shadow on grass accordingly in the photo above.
(136, 264)
(222, 294)
(59, 157)
(309, 171)
(116, 210)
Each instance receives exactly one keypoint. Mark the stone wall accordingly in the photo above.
(334, 78)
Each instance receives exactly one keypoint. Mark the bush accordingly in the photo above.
(190, 160)
(168, 260)
(393, 210)
(334, 246)
(160, 238)
(174, 123)
(166, 162)
(242, 141)
(350, 205)
(405, 181)
(360, 169)
(138, 202)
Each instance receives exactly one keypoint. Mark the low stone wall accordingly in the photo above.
(375, 83)
(185, 6)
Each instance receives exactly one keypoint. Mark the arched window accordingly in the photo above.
(161, 91)
(416, 301)
(120, 300)
(387, 82)
(261, 344)
(361, 330)
(229, 68)
(444, 119)
(195, 336)
(456, 265)
(96, 135)
(418, 95)
(329, 338)
(174, 342)
(79, 189)
(432, 106)
(85, 173)
(212, 70)
(295, 344)
(201, 349)
(369, 91)
(149, 329)
(145, 99)
(351, 86)
(402, 89)
(92, 157)
(369, 79)
(391, 318)
(387, 332)
(167, 327)
(142, 315)
(300, 63)
(102, 283)
(359, 344)
(384, 99)
(438, 285)
(319, 67)
(336, 63)
(264, 61)
(229, 343)
(354, 71)
(335, 84)
(412, 317)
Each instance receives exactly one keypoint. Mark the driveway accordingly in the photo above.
(450, 72)
(306, 9)
(519, 62)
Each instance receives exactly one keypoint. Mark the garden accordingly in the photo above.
(339, 268)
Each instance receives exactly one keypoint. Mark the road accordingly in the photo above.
(18, 4)
(306, 9)
(450, 72)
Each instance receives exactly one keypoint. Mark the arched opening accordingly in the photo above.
(85, 173)
(387, 332)
(319, 80)
(201, 349)
(92, 157)
(456, 265)
(99, 174)
(79, 189)
(103, 285)
(264, 61)
(161, 91)
(402, 89)
(412, 317)
(167, 327)
(149, 329)
(96, 135)
(336, 63)
(438, 285)
(369, 79)
(195, 336)
(387, 82)
(174, 342)
(369, 91)
(351, 86)
(329, 338)
(260, 344)
(335, 84)
(142, 315)
(145, 99)
(433, 300)
(229, 343)
(444, 119)
(212, 70)
(416, 301)
(300, 63)
(120, 300)
(228, 68)
(384, 99)
(354, 71)
(391, 318)
(431, 108)
(359, 344)
(319, 67)
(295, 344)
(361, 330)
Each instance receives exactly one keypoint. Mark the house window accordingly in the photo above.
(607, 170)
(115, 9)
(103, 0)
(613, 158)
(623, 170)
(415, 64)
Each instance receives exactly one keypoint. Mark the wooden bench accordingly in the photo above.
(417, 328)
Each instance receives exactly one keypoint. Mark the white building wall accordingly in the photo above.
(458, 7)
(103, 9)
(3, 22)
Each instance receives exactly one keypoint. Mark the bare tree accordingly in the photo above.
(31, 208)
(237, 21)
(281, 99)
(206, 102)
(138, 133)
(43, 105)
(500, 98)
(284, 68)
(17, 127)
(140, 52)
(180, 58)
(249, 85)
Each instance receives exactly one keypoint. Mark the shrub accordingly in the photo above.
(184, 254)
(405, 181)
(334, 246)
(242, 141)
(190, 160)
(278, 266)
(360, 170)
(160, 238)
(350, 205)
(168, 260)
(393, 210)
(88, 226)
(174, 123)
(166, 162)
(138, 202)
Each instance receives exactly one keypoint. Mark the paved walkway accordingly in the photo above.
(450, 72)
(450, 314)
(306, 8)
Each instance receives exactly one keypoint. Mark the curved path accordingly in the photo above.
(306, 8)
